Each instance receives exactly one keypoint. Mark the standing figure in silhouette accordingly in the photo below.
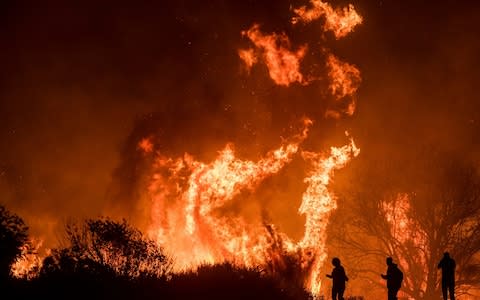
(394, 279)
(447, 264)
(339, 278)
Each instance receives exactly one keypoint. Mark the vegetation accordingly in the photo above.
(13, 239)
(432, 206)
(106, 259)
(412, 213)
(108, 247)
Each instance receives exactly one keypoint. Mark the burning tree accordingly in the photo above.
(441, 212)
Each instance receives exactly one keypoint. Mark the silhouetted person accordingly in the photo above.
(394, 279)
(339, 278)
(447, 264)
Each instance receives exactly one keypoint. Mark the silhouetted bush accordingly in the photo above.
(105, 259)
(225, 281)
(107, 248)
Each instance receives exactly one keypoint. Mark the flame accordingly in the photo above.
(186, 195)
(403, 227)
(344, 78)
(340, 21)
(145, 145)
(283, 64)
(30, 262)
(318, 203)
(196, 190)
(344, 81)
(248, 57)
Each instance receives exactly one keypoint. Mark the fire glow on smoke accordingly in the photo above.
(186, 193)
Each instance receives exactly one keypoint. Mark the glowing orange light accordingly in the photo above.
(248, 57)
(317, 204)
(283, 63)
(405, 229)
(340, 21)
(145, 145)
(30, 262)
(186, 193)
(344, 77)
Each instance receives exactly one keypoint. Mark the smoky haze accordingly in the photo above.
(81, 84)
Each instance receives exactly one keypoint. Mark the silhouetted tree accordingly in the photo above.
(13, 239)
(413, 215)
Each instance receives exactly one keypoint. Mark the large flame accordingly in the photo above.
(186, 195)
(317, 204)
(186, 192)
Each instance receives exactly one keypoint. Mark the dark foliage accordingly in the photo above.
(107, 248)
(13, 238)
(225, 281)
(105, 259)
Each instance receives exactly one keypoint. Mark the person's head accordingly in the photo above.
(336, 261)
(389, 261)
(446, 255)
